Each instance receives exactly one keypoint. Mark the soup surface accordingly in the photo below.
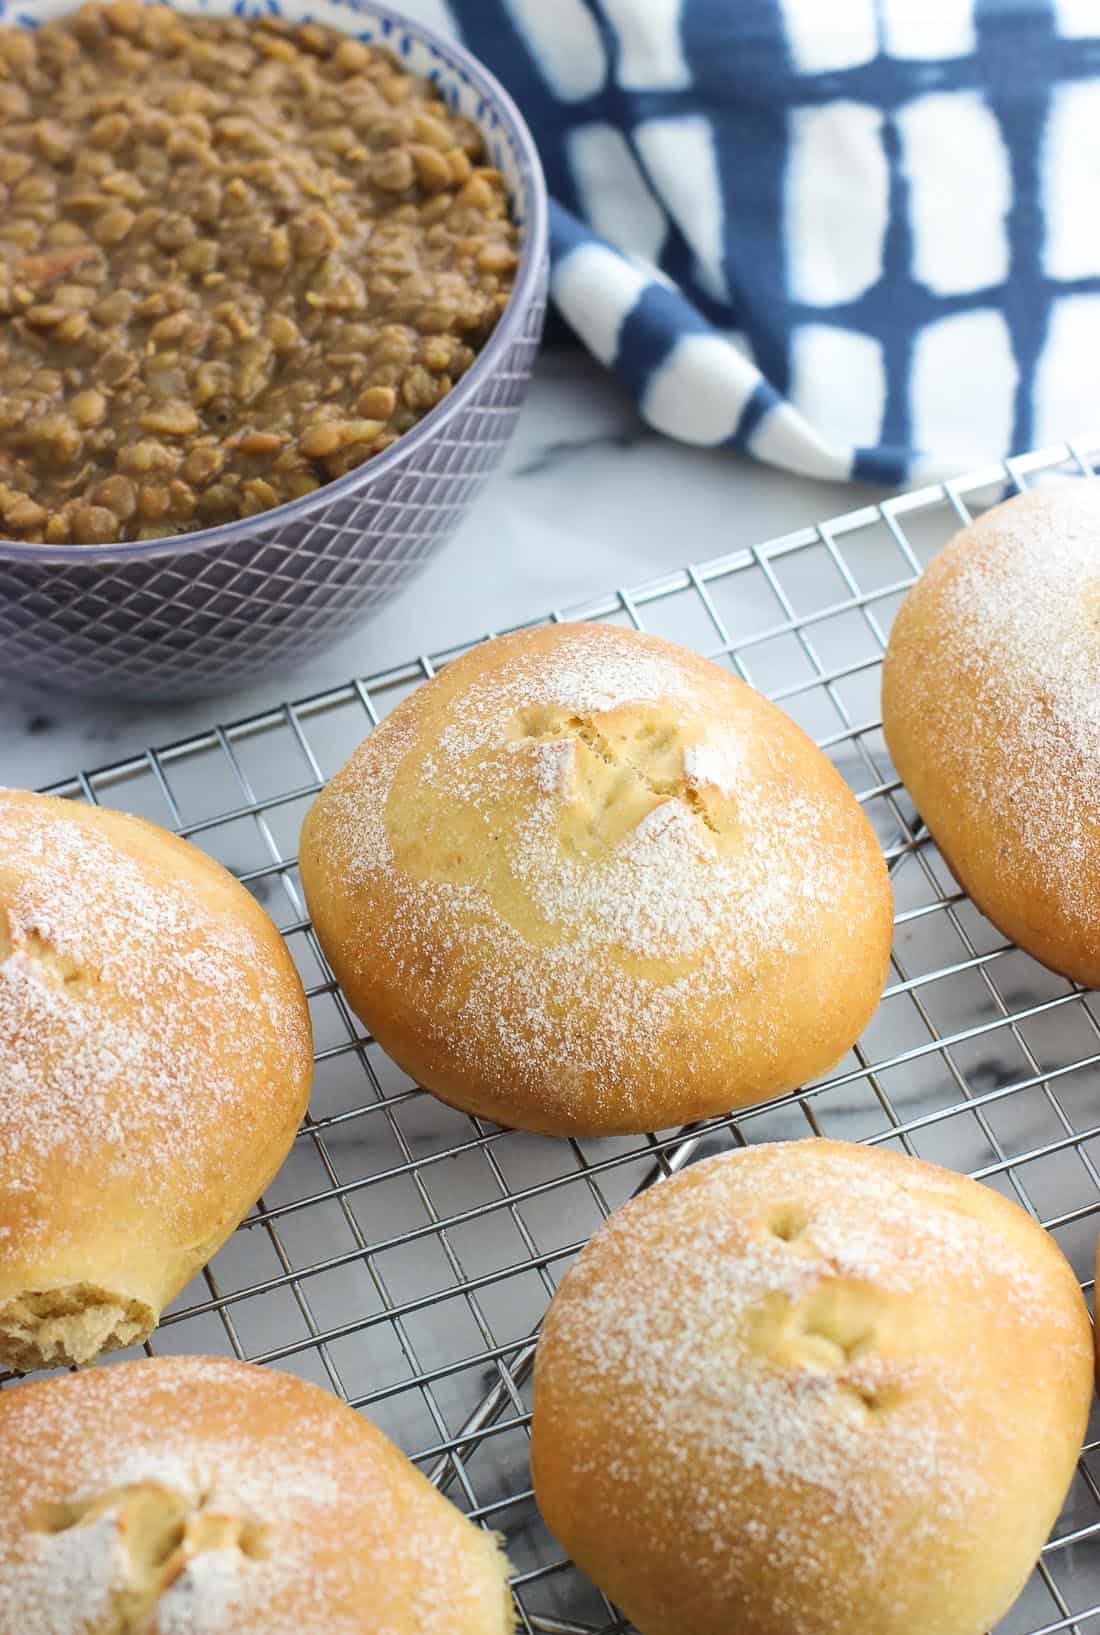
(237, 258)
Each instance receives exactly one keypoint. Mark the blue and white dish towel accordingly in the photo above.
(853, 237)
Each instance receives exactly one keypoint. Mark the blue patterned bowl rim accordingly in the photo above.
(496, 112)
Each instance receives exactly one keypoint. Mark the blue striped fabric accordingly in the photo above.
(852, 237)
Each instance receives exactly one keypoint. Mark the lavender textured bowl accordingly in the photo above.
(201, 611)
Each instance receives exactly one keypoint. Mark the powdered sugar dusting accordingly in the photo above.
(664, 892)
(210, 1587)
(326, 1523)
(599, 669)
(719, 760)
(122, 993)
(200, 1472)
(1025, 602)
(754, 1312)
(56, 1580)
(556, 764)
(636, 837)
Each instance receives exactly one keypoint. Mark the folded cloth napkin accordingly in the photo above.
(853, 237)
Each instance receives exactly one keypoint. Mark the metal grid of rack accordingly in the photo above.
(405, 1254)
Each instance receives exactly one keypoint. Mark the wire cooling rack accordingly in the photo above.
(406, 1253)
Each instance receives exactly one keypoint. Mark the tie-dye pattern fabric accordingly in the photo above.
(853, 237)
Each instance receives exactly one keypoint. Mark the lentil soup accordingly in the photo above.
(237, 258)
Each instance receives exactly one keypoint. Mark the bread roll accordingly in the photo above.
(811, 1389)
(586, 881)
(991, 709)
(154, 1066)
(194, 1496)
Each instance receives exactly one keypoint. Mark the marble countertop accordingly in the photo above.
(587, 499)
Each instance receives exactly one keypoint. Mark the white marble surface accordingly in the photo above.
(587, 500)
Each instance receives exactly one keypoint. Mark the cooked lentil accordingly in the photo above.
(237, 258)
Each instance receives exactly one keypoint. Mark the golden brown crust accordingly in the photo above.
(991, 711)
(155, 1062)
(198, 1496)
(586, 881)
(814, 1387)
